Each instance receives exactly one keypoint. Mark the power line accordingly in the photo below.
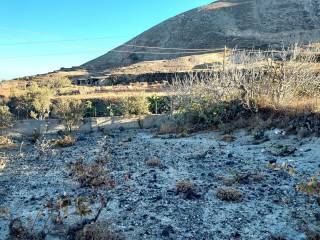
(119, 51)
(63, 40)
(148, 52)
(182, 49)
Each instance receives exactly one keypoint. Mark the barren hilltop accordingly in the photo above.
(231, 23)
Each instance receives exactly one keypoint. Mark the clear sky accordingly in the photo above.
(37, 36)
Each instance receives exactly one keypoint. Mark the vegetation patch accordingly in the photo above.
(66, 141)
(312, 187)
(90, 175)
(229, 195)
(282, 167)
(4, 140)
(281, 150)
(154, 162)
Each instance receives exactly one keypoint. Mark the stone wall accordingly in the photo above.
(51, 126)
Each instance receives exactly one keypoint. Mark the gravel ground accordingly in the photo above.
(144, 202)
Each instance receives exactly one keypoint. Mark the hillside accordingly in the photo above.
(231, 23)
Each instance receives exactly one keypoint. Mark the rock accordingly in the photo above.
(167, 230)
(303, 132)
(230, 163)
(273, 161)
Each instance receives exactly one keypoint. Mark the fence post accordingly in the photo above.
(224, 58)
(156, 106)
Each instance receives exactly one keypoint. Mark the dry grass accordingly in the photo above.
(66, 141)
(97, 231)
(112, 95)
(228, 138)
(167, 128)
(185, 186)
(4, 140)
(2, 163)
(154, 162)
(90, 175)
(229, 195)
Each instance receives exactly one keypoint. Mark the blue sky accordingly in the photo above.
(81, 30)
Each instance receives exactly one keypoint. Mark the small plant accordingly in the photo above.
(43, 147)
(167, 128)
(4, 212)
(134, 105)
(66, 141)
(55, 211)
(5, 117)
(154, 162)
(90, 175)
(185, 186)
(98, 231)
(4, 140)
(281, 150)
(284, 166)
(229, 195)
(70, 112)
(228, 138)
(2, 161)
(312, 187)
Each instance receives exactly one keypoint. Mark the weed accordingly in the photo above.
(167, 128)
(312, 187)
(66, 141)
(184, 186)
(284, 166)
(154, 162)
(229, 195)
(4, 140)
(97, 231)
(89, 175)
(228, 138)
(281, 150)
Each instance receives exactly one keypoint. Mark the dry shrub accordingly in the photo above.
(97, 231)
(228, 138)
(89, 175)
(167, 128)
(2, 163)
(154, 162)
(229, 194)
(285, 80)
(17, 231)
(185, 186)
(66, 141)
(4, 140)
(312, 187)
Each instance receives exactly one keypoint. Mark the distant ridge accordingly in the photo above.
(241, 23)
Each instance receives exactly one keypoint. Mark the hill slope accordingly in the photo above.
(241, 23)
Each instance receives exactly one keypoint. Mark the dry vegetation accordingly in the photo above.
(283, 82)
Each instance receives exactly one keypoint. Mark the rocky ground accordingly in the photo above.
(203, 186)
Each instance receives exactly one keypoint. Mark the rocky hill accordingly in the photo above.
(231, 23)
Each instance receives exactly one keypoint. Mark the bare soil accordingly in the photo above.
(234, 192)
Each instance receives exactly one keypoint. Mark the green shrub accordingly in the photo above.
(54, 83)
(5, 117)
(159, 104)
(206, 112)
(134, 106)
(70, 112)
(35, 103)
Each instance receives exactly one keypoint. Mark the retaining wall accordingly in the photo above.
(50, 126)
